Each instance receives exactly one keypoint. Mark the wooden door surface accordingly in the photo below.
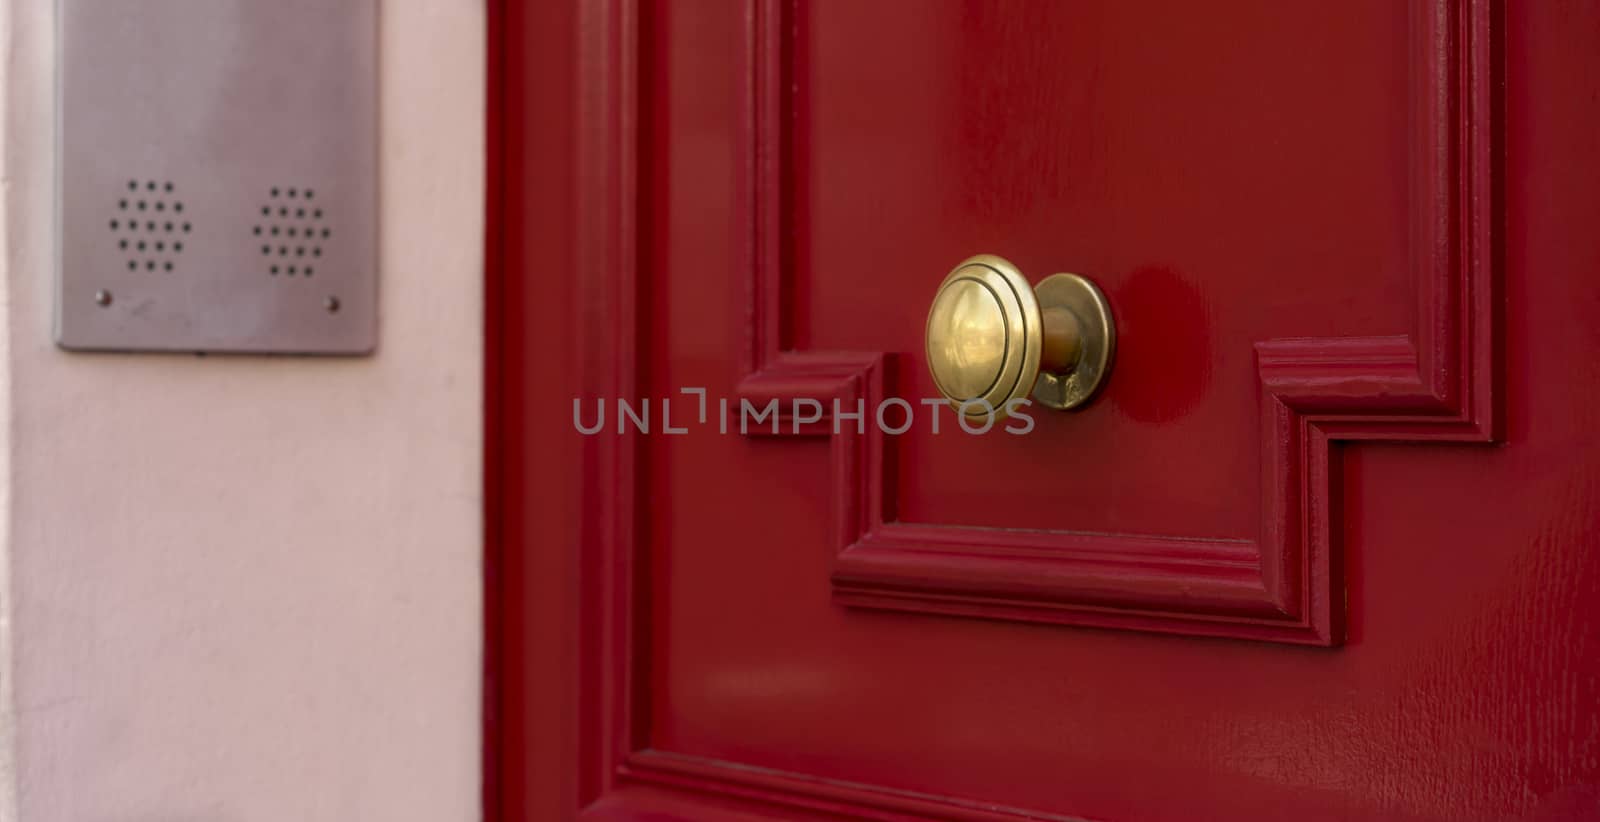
(1326, 545)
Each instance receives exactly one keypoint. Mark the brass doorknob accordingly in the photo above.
(991, 338)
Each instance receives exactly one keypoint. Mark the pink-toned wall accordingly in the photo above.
(247, 588)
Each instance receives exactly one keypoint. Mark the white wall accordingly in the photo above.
(248, 588)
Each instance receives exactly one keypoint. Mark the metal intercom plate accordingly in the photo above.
(217, 175)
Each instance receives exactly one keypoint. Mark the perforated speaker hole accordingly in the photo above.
(292, 232)
(149, 225)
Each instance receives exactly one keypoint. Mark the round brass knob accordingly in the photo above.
(992, 339)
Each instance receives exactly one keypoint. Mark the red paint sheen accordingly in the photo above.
(1163, 346)
(531, 504)
(1354, 258)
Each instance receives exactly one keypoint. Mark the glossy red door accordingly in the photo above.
(1323, 547)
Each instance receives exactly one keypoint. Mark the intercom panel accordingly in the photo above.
(217, 175)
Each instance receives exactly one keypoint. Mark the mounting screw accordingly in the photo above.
(102, 298)
(332, 304)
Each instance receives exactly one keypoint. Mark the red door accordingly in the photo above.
(1325, 545)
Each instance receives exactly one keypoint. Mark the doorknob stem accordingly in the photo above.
(1063, 340)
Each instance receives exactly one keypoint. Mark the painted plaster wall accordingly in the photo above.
(247, 588)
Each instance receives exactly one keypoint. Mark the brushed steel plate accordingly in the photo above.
(204, 149)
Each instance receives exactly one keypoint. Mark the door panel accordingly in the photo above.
(1214, 516)
(1139, 144)
(1337, 510)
